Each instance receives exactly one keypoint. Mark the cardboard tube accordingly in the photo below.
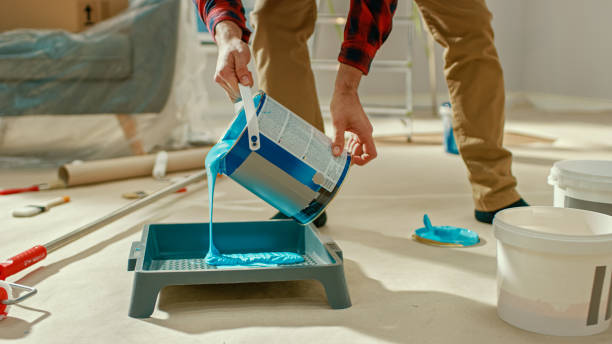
(99, 171)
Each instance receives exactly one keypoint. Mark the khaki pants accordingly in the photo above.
(472, 70)
(281, 29)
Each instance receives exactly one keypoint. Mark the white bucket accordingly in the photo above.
(583, 184)
(554, 270)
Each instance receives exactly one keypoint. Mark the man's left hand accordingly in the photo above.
(348, 115)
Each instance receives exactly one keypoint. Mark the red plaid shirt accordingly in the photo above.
(367, 27)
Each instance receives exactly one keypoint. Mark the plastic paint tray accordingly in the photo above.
(173, 254)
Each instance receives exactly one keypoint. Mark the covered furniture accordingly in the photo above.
(122, 66)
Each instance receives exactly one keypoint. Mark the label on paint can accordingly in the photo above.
(303, 141)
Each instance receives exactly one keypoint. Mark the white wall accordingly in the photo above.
(546, 47)
(568, 48)
(558, 47)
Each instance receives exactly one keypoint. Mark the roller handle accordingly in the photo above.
(19, 190)
(21, 261)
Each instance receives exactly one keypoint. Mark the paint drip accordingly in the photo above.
(214, 166)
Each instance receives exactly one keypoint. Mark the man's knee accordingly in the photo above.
(472, 42)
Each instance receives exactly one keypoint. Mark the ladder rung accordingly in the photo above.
(328, 18)
(328, 64)
(381, 111)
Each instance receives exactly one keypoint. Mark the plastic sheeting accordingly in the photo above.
(59, 91)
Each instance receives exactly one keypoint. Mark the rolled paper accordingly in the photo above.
(98, 171)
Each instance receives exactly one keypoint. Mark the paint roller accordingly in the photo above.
(37, 253)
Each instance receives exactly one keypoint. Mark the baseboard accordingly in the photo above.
(543, 101)
(557, 102)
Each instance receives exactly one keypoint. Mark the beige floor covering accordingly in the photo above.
(402, 291)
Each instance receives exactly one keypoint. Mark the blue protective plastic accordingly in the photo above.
(447, 234)
(124, 64)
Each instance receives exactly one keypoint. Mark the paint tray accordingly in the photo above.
(173, 254)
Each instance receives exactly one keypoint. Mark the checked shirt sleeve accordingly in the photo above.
(367, 27)
(213, 12)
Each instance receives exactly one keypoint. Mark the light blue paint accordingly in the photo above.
(447, 234)
(214, 165)
(254, 259)
(450, 145)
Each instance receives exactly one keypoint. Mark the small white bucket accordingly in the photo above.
(554, 270)
(583, 184)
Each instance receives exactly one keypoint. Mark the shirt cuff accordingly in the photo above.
(217, 16)
(358, 55)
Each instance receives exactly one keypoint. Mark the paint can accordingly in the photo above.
(583, 184)
(283, 159)
(554, 270)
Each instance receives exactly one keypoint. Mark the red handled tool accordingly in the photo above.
(38, 187)
(20, 190)
(37, 253)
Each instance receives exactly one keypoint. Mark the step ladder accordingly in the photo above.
(327, 16)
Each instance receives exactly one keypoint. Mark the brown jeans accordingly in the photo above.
(472, 70)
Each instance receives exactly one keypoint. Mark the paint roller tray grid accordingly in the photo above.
(200, 264)
(173, 254)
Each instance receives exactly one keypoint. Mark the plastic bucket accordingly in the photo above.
(292, 168)
(583, 184)
(554, 270)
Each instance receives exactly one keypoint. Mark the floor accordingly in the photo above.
(402, 291)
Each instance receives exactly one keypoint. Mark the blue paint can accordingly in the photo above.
(283, 159)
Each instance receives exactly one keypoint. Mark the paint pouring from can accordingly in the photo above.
(214, 162)
(283, 160)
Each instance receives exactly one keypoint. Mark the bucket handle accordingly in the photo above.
(251, 117)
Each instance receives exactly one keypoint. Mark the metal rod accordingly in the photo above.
(320, 64)
(119, 213)
(381, 111)
(29, 292)
(431, 60)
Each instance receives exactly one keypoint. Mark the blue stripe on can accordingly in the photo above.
(237, 155)
(287, 162)
(345, 171)
(317, 205)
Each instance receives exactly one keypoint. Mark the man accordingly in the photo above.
(472, 71)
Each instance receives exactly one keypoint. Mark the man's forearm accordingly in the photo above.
(214, 12)
(226, 30)
(347, 79)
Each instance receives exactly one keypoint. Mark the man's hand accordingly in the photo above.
(348, 115)
(234, 56)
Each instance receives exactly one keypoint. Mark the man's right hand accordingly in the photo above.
(234, 56)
